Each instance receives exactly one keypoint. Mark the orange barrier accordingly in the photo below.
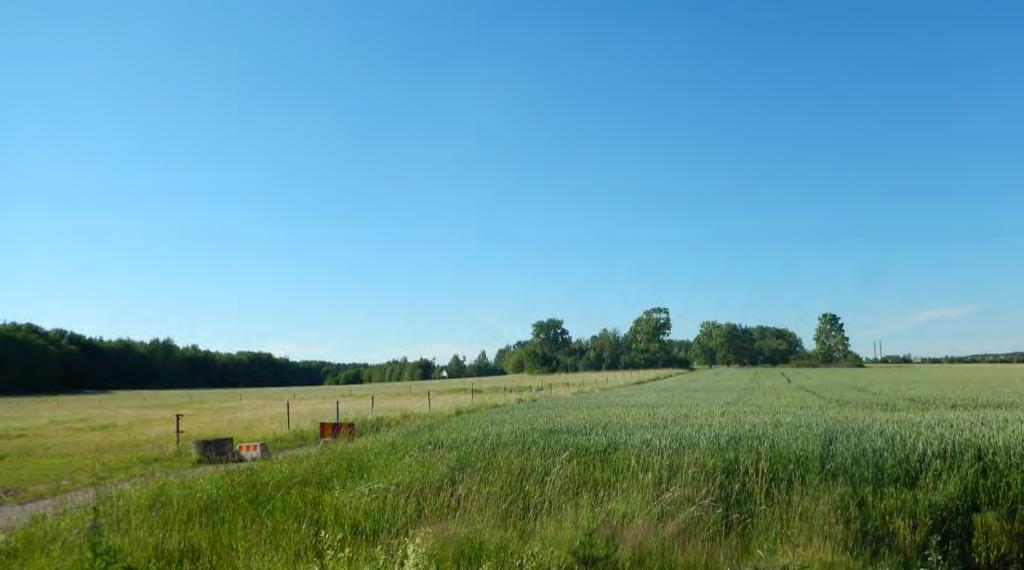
(337, 430)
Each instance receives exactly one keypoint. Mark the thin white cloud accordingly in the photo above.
(923, 317)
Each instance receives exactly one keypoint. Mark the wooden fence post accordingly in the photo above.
(177, 430)
(288, 415)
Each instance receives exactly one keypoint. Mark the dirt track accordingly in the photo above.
(13, 516)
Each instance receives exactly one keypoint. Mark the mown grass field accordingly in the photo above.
(902, 467)
(50, 444)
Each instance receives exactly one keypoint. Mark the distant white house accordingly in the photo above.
(444, 373)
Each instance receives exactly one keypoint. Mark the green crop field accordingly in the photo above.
(50, 444)
(901, 467)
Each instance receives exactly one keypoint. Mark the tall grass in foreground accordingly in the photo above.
(720, 468)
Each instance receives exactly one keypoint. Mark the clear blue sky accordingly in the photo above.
(357, 181)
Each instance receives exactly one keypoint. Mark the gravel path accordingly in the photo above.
(14, 515)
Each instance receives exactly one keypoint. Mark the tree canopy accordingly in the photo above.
(548, 349)
(831, 345)
(739, 345)
(647, 338)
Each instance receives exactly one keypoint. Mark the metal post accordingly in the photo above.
(371, 405)
(337, 411)
(428, 400)
(470, 393)
(288, 414)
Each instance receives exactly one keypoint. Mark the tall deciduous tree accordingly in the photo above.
(774, 345)
(548, 347)
(511, 358)
(647, 338)
(482, 362)
(831, 345)
(606, 350)
(703, 349)
(734, 345)
(482, 366)
(456, 367)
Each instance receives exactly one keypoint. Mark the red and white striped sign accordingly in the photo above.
(253, 451)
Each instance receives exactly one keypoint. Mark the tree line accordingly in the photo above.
(551, 348)
(731, 344)
(405, 370)
(34, 359)
(1004, 358)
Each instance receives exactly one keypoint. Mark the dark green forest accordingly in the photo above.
(38, 360)
(34, 360)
